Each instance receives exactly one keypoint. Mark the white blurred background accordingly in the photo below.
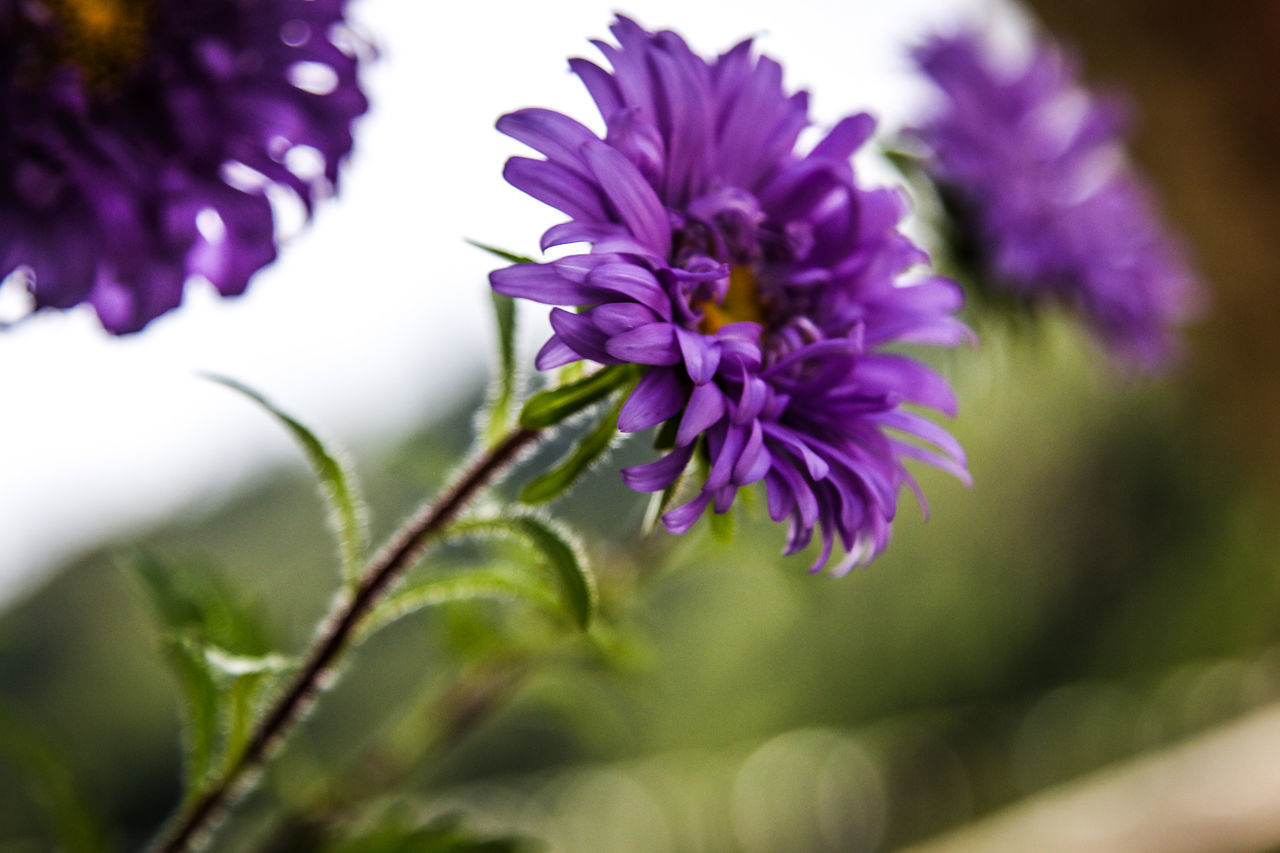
(375, 317)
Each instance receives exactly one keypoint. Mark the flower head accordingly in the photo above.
(757, 285)
(137, 138)
(1034, 167)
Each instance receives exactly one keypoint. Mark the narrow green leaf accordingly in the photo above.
(547, 408)
(509, 584)
(501, 253)
(907, 163)
(175, 608)
(575, 581)
(341, 490)
(219, 689)
(499, 408)
(196, 600)
(584, 454)
(200, 700)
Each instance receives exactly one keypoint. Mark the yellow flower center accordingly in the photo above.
(741, 302)
(104, 38)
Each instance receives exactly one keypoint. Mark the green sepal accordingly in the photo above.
(341, 490)
(547, 408)
(510, 257)
(574, 579)
(722, 526)
(666, 437)
(584, 454)
(908, 164)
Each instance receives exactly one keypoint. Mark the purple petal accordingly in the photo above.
(599, 85)
(656, 476)
(705, 407)
(633, 281)
(556, 185)
(651, 344)
(814, 464)
(635, 201)
(555, 353)
(725, 457)
(754, 460)
(658, 396)
(581, 335)
(557, 136)
(701, 356)
(845, 138)
(540, 283)
(576, 231)
(680, 519)
(916, 382)
(616, 318)
(781, 498)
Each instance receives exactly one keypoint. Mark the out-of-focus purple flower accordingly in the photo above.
(138, 137)
(1034, 168)
(757, 285)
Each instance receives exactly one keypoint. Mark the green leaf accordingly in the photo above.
(576, 583)
(498, 409)
(512, 584)
(196, 600)
(499, 414)
(501, 253)
(547, 408)
(200, 717)
(46, 779)
(219, 689)
(908, 164)
(341, 490)
(584, 454)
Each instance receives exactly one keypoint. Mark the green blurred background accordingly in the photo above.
(1106, 591)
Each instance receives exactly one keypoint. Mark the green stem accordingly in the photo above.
(335, 636)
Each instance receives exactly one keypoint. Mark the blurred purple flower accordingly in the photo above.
(1035, 170)
(138, 138)
(758, 286)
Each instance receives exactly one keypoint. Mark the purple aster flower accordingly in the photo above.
(1034, 170)
(758, 286)
(138, 137)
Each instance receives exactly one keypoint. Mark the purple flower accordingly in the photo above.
(1034, 168)
(758, 286)
(138, 137)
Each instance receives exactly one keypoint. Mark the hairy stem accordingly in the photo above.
(336, 636)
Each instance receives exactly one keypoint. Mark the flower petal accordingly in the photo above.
(658, 475)
(658, 396)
